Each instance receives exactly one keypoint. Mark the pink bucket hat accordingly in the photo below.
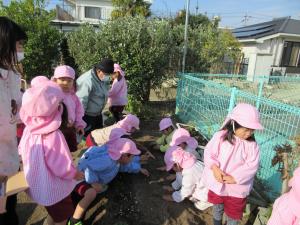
(38, 80)
(178, 156)
(181, 135)
(130, 121)
(165, 123)
(294, 193)
(64, 71)
(122, 146)
(116, 133)
(117, 68)
(246, 115)
(40, 108)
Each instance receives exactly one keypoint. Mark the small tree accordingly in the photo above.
(42, 47)
(130, 8)
(194, 20)
(142, 47)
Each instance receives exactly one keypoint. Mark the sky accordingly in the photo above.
(233, 13)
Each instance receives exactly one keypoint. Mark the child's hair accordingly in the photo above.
(229, 136)
(64, 117)
(10, 33)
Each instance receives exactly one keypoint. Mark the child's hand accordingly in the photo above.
(171, 177)
(218, 173)
(168, 198)
(145, 172)
(148, 153)
(79, 175)
(229, 179)
(98, 187)
(168, 188)
(162, 168)
(146, 156)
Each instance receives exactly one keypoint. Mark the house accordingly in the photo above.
(72, 13)
(270, 48)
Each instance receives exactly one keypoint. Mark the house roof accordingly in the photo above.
(284, 25)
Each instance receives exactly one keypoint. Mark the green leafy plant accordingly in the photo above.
(142, 47)
(130, 8)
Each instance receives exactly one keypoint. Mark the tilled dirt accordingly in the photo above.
(131, 199)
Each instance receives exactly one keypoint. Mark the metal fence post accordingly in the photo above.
(260, 92)
(232, 99)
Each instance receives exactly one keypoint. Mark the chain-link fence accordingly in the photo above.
(205, 103)
(285, 89)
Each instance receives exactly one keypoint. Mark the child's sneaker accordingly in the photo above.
(202, 205)
(77, 223)
(192, 199)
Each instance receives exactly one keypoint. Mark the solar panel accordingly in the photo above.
(252, 33)
(246, 29)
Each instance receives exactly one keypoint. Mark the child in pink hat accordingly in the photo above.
(130, 124)
(117, 95)
(47, 161)
(191, 184)
(167, 128)
(231, 160)
(182, 138)
(286, 209)
(38, 80)
(101, 164)
(64, 76)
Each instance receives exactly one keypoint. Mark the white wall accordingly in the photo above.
(106, 7)
(252, 50)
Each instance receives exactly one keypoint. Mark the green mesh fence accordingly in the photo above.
(280, 88)
(205, 104)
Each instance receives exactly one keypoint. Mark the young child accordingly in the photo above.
(101, 164)
(191, 184)
(117, 95)
(167, 128)
(47, 162)
(64, 76)
(183, 139)
(231, 161)
(130, 124)
(286, 209)
(38, 80)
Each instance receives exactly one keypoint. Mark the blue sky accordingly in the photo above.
(232, 12)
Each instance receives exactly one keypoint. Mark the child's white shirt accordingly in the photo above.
(192, 184)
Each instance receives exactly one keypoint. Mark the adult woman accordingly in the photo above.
(11, 52)
(92, 91)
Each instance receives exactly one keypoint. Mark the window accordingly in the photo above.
(92, 12)
(291, 54)
(244, 66)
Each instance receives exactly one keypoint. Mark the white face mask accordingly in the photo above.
(105, 78)
(20, 56)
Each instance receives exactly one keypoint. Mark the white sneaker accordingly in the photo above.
(194, 200)
(202, 205)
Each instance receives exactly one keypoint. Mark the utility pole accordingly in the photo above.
(187, 11)
(197, 7)
(246, 19)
